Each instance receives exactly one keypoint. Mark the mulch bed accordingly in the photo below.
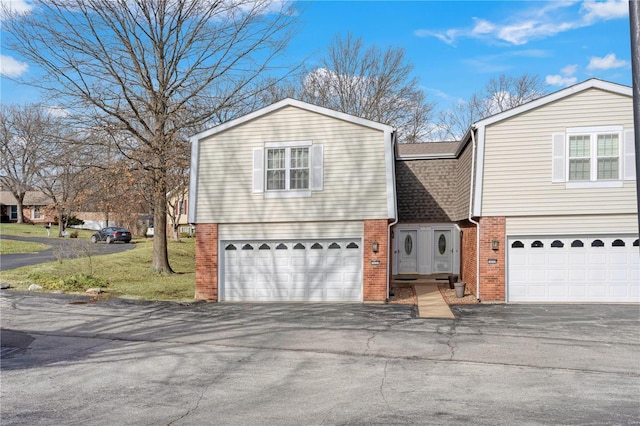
(450, 297)
(404, 295)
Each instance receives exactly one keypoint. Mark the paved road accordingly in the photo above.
(126, 362)
(60, 247)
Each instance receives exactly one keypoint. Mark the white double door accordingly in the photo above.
(436, 252)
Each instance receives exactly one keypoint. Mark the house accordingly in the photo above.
(554, 196)
(35, 207)
(534, 204)
(293, 202)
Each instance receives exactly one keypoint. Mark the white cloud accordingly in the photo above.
(606, 63)
(535, 23)
(566, 77)
(9, 67)
(560, 80)
(19, 6)
(604, 10)
(569, 70)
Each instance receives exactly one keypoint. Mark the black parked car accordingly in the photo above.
(111, 234)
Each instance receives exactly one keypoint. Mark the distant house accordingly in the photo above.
(536, 204)
(35, 208)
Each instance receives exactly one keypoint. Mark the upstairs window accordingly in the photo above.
(287, 168)
(600, 157)
(594, 157)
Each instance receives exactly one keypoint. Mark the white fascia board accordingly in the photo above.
(593, 83)
(296, 103)
(389, 154)
(193, 180)
(477, 198)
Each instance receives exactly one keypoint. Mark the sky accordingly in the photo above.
(455, 46)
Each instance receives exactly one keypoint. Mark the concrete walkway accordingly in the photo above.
(431, 304)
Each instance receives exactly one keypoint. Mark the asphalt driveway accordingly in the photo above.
(70, 361)
(60, 247)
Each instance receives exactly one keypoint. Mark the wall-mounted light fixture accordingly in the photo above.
(374, 246)
(495, 244)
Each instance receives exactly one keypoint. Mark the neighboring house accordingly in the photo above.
(535, 204)
(35, 208)
(555, 197)
(293, 202)
(177, 215)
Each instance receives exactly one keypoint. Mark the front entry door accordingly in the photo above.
(442, 252)
(407, 259)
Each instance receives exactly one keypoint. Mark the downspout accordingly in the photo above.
(395, 220)
(473, 164)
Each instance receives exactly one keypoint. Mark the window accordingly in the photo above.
(13, 212)
(287, 168)
(594, 156)
(36, 213)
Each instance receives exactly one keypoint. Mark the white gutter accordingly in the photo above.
(395, 208)
(473, 162)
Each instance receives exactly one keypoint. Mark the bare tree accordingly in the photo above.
(151, 69)
(370, 83)
(24, 148)
(498, 95)
(65, 175)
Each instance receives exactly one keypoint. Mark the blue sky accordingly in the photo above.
(457, 46)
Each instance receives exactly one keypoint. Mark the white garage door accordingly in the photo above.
(301, 270)
(573, 269)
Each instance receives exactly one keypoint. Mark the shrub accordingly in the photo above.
(74, 234)
(78, 282)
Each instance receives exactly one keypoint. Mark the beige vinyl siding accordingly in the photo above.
(517, 159)
(584, 224)
(298, 230)
(354, 171)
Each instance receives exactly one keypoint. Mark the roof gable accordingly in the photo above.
(298, 104)
(593, 83)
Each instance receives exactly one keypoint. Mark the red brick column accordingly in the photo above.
(375, 274)
(492, 275)
(468, 255)
(207, 262)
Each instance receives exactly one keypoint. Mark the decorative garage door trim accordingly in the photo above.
(573, 268)
(306, 270)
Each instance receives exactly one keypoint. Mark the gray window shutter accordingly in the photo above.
(629, 156)
(317, 167)
(258, 170)
(559, 161)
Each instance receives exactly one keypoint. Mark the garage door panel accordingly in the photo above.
(303, 270)
(574, 268)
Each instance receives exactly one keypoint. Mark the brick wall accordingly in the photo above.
(375, 276)
(468, 255)
(207, 262)
(492, 275)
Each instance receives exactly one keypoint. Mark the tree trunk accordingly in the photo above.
(60, 223)
(20, 212)
(160, 254)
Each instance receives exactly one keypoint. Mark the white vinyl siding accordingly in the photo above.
(519, 153)
(283, 230)
(352, 182)
(556, 225)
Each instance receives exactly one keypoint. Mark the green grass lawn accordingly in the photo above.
(127, 274)
(24, 230)
(12, 246)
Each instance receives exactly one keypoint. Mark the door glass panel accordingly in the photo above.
(408, 244)
(442, 244)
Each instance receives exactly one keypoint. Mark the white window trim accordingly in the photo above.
(11, 215)
(33, 213)
(287, 192)
(593, 132)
